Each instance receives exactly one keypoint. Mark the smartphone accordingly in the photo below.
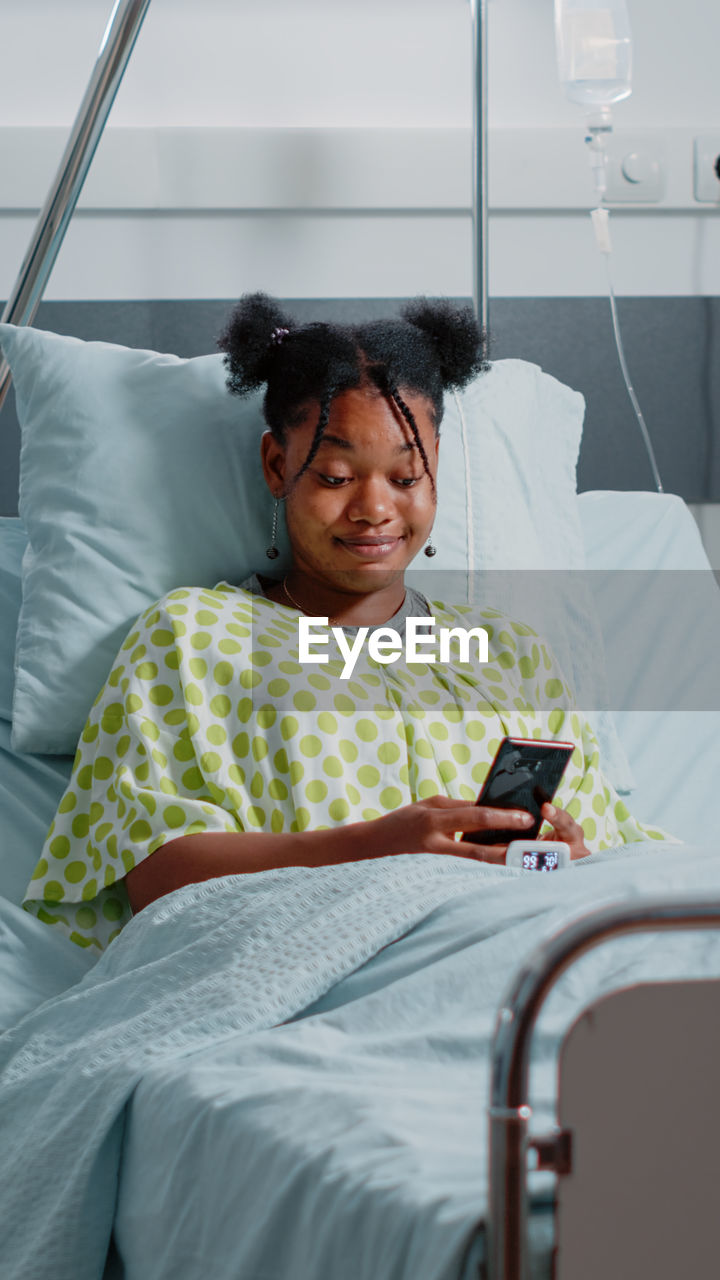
(525, 774)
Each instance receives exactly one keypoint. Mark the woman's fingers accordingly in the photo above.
(566, 828)
(484, 818)
(442, 818)
(561, 821)
(481, 817)
(467, 817)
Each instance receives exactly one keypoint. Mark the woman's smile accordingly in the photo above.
(377, 547)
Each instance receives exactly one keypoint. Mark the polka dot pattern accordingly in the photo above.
(221, 728)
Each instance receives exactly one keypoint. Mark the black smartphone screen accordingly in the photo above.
(525, 774)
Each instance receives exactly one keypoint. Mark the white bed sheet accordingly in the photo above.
(36, 964)
(659, 608)
(30, 789)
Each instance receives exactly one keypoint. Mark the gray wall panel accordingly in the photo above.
(671, 344)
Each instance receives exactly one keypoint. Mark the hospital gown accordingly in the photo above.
(208, 722)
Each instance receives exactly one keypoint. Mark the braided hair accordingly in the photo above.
(432, 348)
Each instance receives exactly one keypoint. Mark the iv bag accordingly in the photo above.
(594, 50)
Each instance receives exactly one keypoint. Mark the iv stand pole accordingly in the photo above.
(479, 161)
(117, 45)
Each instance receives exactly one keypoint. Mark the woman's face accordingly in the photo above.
(364, 507)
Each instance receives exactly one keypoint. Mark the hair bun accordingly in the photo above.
(458, 339)
(254, 332)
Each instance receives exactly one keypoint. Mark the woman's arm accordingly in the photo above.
(204, 856)
(428, 826)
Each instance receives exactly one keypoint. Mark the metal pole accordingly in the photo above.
(479, 161)
(113, 56)
(509, 1109)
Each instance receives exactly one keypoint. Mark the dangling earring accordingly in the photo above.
(272, 551)
(430, 550)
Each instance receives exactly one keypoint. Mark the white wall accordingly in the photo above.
(182, 227)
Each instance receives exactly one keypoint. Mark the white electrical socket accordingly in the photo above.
(636, 168)
(707, 168)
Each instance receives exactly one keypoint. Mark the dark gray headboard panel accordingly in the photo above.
(672, 348)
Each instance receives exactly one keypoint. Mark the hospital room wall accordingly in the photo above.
(321, 150)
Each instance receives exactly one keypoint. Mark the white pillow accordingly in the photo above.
(13, 541)
(140, 472)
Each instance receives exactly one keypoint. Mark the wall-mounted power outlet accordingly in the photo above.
(707, 168)
(636, 168)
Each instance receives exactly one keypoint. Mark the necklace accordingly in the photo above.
(293, 601)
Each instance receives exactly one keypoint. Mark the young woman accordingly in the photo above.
(213, 750)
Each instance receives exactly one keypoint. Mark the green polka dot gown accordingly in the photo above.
(208, 722)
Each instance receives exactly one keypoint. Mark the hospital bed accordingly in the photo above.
(349, 1140)
(389, 1137)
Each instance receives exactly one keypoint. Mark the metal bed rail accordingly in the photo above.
(115, 50)
(509, 1110)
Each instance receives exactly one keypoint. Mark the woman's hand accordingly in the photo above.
(565, 828)
(429, 826)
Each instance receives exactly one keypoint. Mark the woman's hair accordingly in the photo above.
(433, 347)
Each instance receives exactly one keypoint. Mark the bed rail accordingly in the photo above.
(115, 50)
(509, 1109)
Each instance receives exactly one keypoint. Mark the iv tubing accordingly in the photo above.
(597, 129)
(628, 384)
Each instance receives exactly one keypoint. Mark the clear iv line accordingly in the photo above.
(628, 384)
(597, 129)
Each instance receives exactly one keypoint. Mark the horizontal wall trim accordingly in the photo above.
(176, 169)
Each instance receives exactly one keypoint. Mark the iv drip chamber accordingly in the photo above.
(594, 51)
